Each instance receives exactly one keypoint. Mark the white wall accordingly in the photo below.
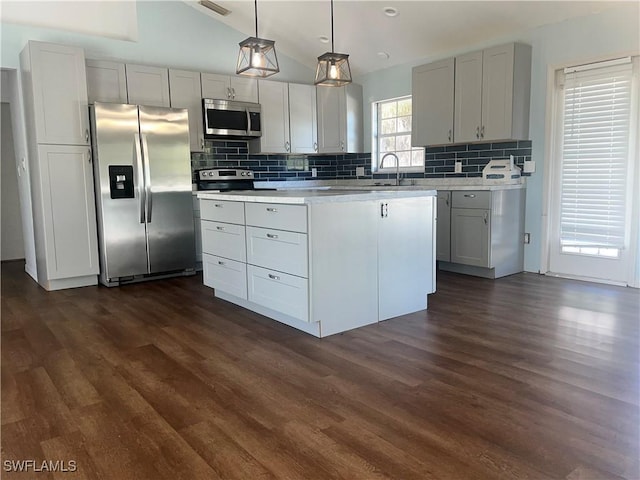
(614, 32)
(170, 33)
(11, 93)
(97, 17)
(11, 240)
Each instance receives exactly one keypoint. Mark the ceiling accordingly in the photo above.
(420, 30)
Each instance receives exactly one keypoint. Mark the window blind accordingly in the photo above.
(595, 156)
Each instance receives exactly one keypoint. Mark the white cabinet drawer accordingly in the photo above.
(278, 250)
(471, 199)
(224, 240)
(222, 211)
(225, 275)
(278, 291)
(277, 216)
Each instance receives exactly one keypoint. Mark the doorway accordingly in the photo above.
(594, 168)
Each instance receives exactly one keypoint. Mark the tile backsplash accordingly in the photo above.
(439, 161)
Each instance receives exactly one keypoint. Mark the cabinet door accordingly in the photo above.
(148, 85)
(468, 97)
(106, 82)
(69, 211)
(274, 99)
(432, 99)
(215, 85)
(244, 89)
(330, 106)
(303, 118)
(185, 92)
(497, 92)
(405, 255)
(59, 83)
(470, 234)
(443, 231)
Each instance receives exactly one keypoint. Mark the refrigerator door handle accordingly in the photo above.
(147, 176)
(140, 176)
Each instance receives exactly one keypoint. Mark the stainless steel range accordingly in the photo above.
(224, 179)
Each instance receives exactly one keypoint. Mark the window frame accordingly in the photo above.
(375, 154)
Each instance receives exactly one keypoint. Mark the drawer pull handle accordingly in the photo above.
(470, 195)
(221, 263)
(219, 228)
(271, 209)
(271, 235)
(274, 277)
(218, 205)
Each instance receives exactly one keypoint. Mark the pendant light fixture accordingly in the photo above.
(257, 57)
(333, 68)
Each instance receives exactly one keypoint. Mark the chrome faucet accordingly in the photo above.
(397, 165)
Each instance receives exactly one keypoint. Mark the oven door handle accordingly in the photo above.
(248, 120)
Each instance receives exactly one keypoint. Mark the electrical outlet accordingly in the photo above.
(458, 167)
(314, 172)
(359, 171)
(527, 238)
(529, 166)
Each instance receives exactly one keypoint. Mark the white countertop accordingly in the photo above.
(303, 196)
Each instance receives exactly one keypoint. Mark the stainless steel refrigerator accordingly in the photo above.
(142, 175)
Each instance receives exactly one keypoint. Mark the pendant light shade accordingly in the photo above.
(333, 68)
(257, 56)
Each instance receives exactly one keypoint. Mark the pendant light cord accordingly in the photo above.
(256, 9)
(333, 49)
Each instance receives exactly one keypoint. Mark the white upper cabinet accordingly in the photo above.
(106, 82)
(506, 88)
(289, 118)
(274, 100)
(186, 93)
(339, 119)
(432, 100)
(56, 82)
(303, 118)
(468, 97)
(476, 97)
(492, 94)
(148, 85)
(215, 85)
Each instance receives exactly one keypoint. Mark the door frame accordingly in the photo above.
(549, 173)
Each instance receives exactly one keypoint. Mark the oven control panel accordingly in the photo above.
(224, 174)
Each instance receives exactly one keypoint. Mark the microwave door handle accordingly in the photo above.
(139, 175)
(248, 120)
(147, 176)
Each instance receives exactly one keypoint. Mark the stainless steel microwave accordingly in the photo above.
(228, 118)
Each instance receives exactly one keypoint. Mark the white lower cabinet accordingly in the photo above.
(405, 255)
(322, 267)
(225, 275)
(279, 291)
(69, 216)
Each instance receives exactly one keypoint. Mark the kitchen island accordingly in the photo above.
(322, 261)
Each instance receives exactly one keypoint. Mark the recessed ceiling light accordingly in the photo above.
(390, 11)
(323, 39)
(383, 55)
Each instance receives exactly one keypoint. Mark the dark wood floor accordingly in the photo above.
(522, 377)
